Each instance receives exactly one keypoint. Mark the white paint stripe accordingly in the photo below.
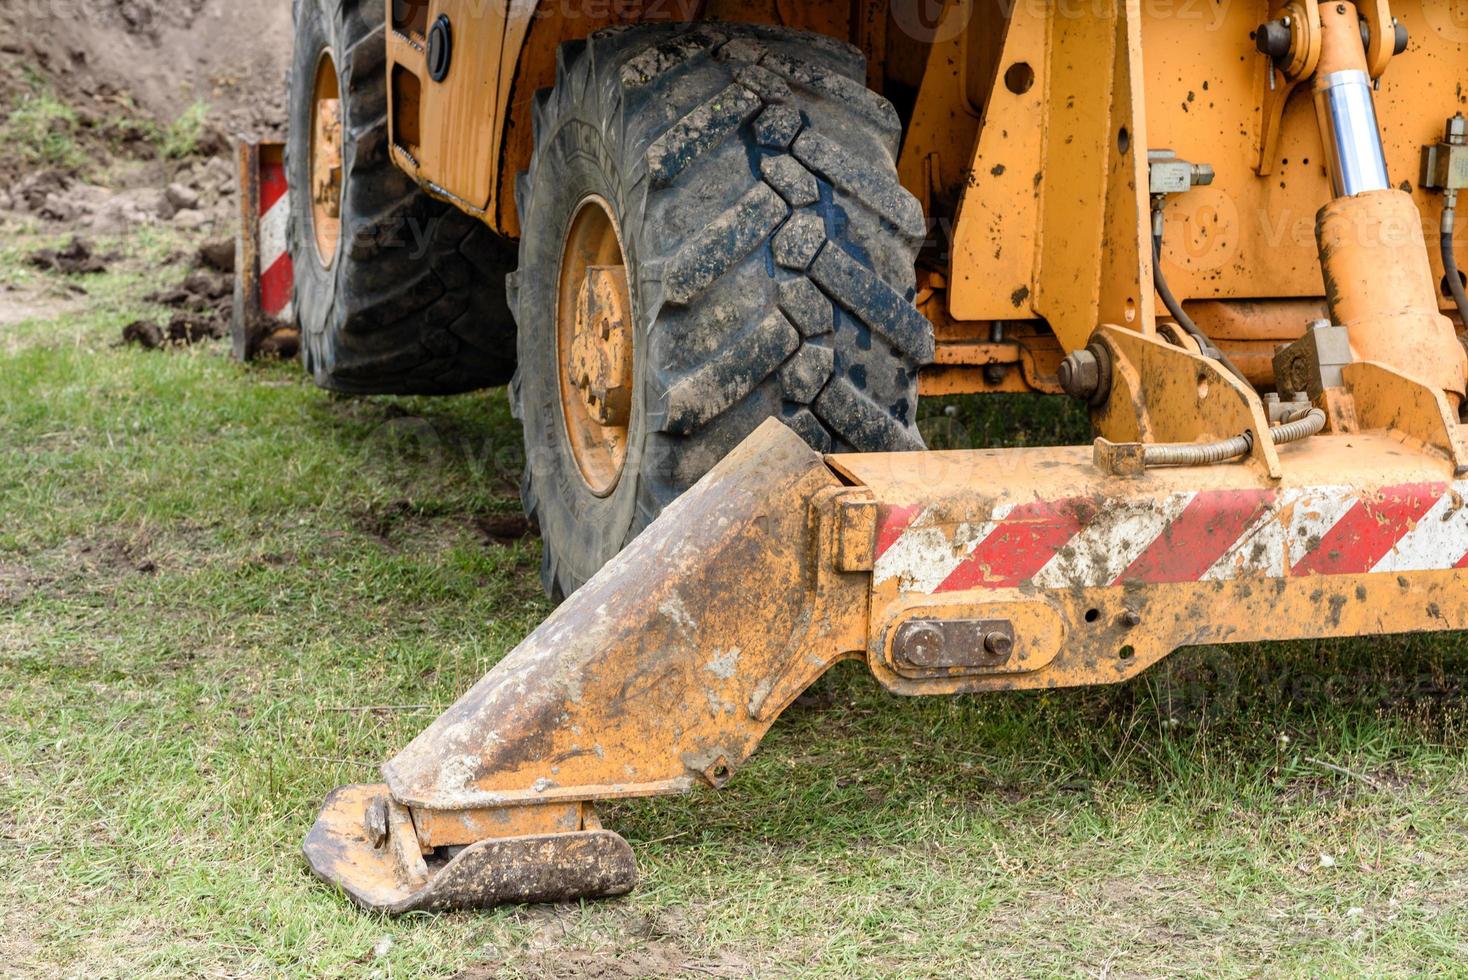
(1258, 551)
(274, 226)
(1284, 534)
(1439, 541)
(926, 554)
(1106, 548)
(1313, 516)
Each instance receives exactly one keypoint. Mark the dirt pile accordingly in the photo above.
(121, 113)
(194, 194)
(181, 331)
(164, 55)
(76, 258)
(203, 303)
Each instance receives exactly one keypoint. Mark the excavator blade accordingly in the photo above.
(342, 848)
(661, 674)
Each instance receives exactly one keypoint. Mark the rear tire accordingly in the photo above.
(769, 252)
(411, 299)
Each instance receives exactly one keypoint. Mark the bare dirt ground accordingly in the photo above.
(121, 116)
(164, 55)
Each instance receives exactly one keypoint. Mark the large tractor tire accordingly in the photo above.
(713, 234)
(396, 293)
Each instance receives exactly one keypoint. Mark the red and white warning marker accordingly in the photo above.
(275, 220)
(264, 276)
(1212, 535)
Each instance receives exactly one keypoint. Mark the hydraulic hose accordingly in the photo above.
(1312, 422)
(1450, 261)
(1302, 426)
(1159, 282)
(1198, 454)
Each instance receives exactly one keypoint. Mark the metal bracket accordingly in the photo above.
(1314, 362)
(1381, 29)
(1277, 81)
(1165, 394)
(921, 646)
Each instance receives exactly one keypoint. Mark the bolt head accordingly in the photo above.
(922, 647)
(1274, 38)
(1080, 374)
(1457, 130)
(999, 644)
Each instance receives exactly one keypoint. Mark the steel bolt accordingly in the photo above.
(1274, 38)
(1131, 619)
(999, 644)
(922, 647)
(1080, 375)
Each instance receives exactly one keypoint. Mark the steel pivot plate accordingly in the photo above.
(363, 843)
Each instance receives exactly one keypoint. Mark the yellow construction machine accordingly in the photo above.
(720, 249)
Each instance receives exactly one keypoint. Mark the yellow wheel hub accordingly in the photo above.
(326, 160)
(594, 327)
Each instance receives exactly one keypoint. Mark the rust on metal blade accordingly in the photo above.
(545, 868)
(672, 658)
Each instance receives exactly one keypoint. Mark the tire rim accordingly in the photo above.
(326, 160)
(594, 327)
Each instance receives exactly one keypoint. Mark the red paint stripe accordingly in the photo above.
(893, 524)
(1027, 539)
(1201, 535)
(272, 185)
(1369, 531)
(1464, 562)
(275, 286)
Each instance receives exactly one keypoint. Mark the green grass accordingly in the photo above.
(207, 572)
(42, 130)
(180, 138)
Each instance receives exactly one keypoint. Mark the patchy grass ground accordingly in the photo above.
(223, 592)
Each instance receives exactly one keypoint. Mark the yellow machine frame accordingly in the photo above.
(1209, 510)
(1027, 147)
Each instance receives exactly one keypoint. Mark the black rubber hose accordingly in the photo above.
(1159, 281)
(1450, 265)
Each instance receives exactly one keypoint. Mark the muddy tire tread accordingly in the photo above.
(386, 319)
(777, 276)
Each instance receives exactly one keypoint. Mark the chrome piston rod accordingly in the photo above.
(1353, 151)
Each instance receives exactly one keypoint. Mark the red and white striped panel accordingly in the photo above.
(276, 274)
(1211, 535)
